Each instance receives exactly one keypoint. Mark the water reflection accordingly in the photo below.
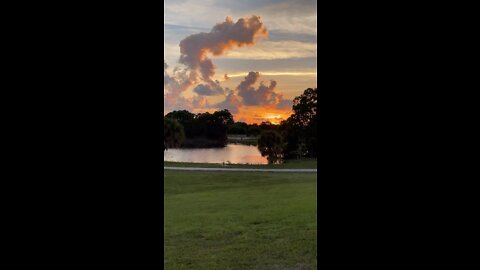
(234, 153)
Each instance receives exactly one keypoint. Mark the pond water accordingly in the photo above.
(234, 153)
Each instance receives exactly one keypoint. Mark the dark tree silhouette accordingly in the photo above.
(185, 118)
(239, 128)
(300, 129)
(253, 130)
(204, 129)
(305, 107)
(173, 133)
(270, 145)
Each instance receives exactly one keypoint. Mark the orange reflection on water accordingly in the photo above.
(233, 153)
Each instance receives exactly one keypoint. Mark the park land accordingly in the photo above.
(240, 220)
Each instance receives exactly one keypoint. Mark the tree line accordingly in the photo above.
(293, 138)
(202, 129)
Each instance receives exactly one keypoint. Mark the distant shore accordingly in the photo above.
(243, 139)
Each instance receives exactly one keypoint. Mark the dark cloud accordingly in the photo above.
(264, 95)
(209, 90)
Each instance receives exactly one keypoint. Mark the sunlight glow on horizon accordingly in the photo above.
(275, 73)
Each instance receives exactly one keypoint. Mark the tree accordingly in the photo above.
(238, 128)
(291, 135)
(223, 117)
(267, 125)
(185, 118)
(270, 145)
(300, 129)
(173, 133)
(253, 130)
(203, 129)
(220, 121)
(305, 107)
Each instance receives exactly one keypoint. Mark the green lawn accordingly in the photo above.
(289, 164)
(238, 220)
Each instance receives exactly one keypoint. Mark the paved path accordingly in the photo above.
(239, 169)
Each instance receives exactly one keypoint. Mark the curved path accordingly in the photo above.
(239, 169)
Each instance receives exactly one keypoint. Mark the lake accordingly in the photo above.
(234, 153)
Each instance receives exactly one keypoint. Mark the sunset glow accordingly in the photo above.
(220, 56)
(258, 115)
(274, 119)
(273, 73)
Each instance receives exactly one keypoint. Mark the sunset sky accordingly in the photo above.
(251, 57)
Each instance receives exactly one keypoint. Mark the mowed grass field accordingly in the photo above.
(239, 220)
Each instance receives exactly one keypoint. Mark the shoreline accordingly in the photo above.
(289, 164)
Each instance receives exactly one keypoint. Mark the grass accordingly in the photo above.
(218, 220)
(289, 164)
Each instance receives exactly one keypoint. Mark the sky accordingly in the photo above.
(252, 57)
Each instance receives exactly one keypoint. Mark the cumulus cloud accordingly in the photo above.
(200, 102)
(177, 82)
(246, 94)
(209, 90)
(264, 95)
(225, 36)
(231, 103)
(199, 68)
(198, 71)
(173, 102)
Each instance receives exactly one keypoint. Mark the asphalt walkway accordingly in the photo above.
(240, 169)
